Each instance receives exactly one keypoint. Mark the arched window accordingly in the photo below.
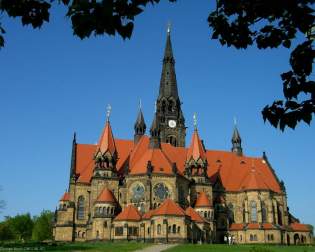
(80, 212)
(108, 209)
(169, 229)
(148, 230)
(206, 215)
(271, 237)
(251, 238)
(170, 106)
(255, 237)
(112, 210)
(83, 235)
(263, 212)
(253, 213)
(244, 213)
(279, 215)
(159, 229)
(163, 106)
(231, 213)
(106, 162)
(178, 229)
(97, 234)
(174, 228)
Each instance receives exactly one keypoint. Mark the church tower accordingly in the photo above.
(169, 115)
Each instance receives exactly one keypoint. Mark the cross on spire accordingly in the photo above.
(169, 25)
(195, 120)
(108, 111)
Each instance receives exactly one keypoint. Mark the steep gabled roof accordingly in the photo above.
(169, 207)
(159, 161)
(203, 200)
(194, 216)
(230, 168)
(106, 196)
(65, 197)
(106, 141)
(129, 213)
(196, 150)
(254, 180)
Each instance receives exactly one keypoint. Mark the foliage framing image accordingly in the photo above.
(237, 23)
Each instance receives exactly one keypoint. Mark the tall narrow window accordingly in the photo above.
(253, 213)
(231, 213)
(263, 212)
(159, 229)
(80, 212)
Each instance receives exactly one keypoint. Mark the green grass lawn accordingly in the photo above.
(239, 248)
(90, 247)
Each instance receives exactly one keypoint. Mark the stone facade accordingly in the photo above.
(154, 189)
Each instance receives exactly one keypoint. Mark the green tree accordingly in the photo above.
(22, 226)
(43, 225)
(238, 23)
(6, 232)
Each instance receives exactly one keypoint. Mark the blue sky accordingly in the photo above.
(52, 84)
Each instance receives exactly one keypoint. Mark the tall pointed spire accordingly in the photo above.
(236, 141)
(168, 83)
(169, 114)
(140, 126)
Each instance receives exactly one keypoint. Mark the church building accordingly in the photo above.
(155, 188)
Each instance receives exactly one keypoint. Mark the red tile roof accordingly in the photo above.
(194, 216)
(106, 196)
(65, 197)
(234, 171)
(129, 213)
(253, 226)
(159, 161)
(106, 141)
(169, 207)
(236, 226)
(203, 200)
(267, 226)
(196, 150)
(299, 227)
(148, 214)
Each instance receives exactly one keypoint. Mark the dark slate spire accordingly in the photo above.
(73, 160)
(236, 142)
(170, 117)
(155, 141)
(168, 83)
(139, 127)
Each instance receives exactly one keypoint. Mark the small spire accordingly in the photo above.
(108, 111)
(74, 137)
(195, 120)
(140, 104)
(236, 140)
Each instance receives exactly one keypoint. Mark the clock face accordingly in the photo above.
(137, 192)
(172, 123)
(161, 191)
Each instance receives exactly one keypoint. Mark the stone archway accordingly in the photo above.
(296, 238)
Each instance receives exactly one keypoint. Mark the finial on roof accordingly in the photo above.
(169, 27)
(195, 120)
(74, 137)
(108, 109)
